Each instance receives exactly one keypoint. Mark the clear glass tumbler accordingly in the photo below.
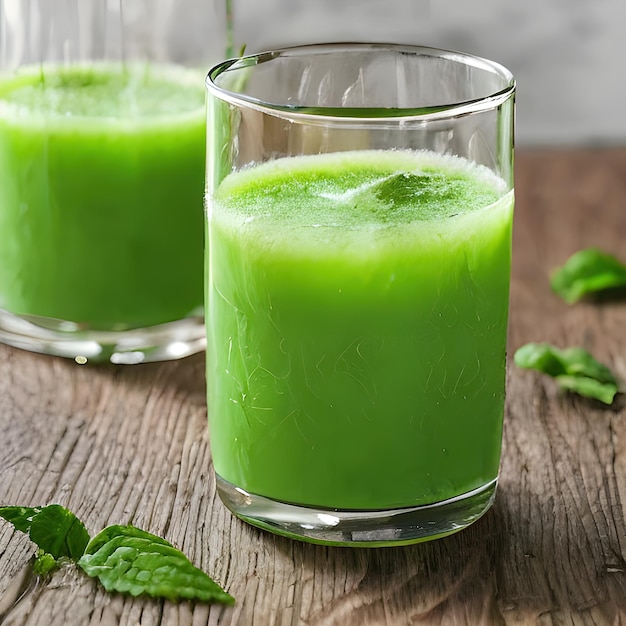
(359, 210)
(102, 160)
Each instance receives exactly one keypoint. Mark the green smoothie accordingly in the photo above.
(357, 311)
(101, 184)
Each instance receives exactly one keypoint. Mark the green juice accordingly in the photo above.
(357, 311)
(101, 183)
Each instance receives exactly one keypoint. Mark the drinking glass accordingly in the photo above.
(102, 159)
(359, 212)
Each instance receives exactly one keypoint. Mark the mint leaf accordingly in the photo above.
(541, 357)
(578, 362)
(44, 563)
(53, 528)
(403, 187)
(574, 369)
(588, 387)
(123, 558)
(586, 272)
(59, 532)
(129, 560)
(399, 193)
(20, 516)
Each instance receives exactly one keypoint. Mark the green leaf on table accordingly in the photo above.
(124, 558)
(44, 563)
(541, 357)
(578, 362)
(54, 529)
(588, 387)
(586, 272)
(574, 369)
(20, 516)
(129, 560)
(59, 532)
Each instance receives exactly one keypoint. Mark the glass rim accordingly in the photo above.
(347, 115)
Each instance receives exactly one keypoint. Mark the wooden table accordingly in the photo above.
(129, 444)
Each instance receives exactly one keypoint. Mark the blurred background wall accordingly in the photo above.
(568, 56)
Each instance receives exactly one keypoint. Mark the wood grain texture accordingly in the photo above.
(130, 445)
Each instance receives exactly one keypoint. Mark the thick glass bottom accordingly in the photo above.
(335, 527)
(163, 342)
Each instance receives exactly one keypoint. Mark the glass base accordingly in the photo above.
(392, 527)
(164, 342)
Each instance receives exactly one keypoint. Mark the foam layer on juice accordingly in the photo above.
(103, 91)
(356, 190)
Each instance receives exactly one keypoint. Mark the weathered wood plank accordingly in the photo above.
(129, 445)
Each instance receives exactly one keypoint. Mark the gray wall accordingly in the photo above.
(568, 56)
